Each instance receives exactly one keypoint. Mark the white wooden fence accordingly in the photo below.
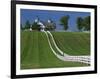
(64, 56)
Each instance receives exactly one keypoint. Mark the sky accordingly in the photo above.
(44, 15)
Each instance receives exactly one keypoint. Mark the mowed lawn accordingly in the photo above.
(36, 53)
(73, 43)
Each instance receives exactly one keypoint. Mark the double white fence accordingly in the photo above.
(64, 56)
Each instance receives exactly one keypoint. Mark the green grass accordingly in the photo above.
(29, 49)
(53, 46)
(36, 53)
(73, 43)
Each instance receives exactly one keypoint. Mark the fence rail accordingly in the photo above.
(64, 56)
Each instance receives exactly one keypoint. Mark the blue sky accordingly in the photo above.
(44, 15)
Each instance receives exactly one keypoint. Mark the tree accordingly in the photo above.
(87, 23)
(22, 28)
(50, 25)
(27, 25)
(35, 26)
(83, 23)
(80, 23)
(64, 21)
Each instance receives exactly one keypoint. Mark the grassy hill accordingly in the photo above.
(73, 43)
(36, 53)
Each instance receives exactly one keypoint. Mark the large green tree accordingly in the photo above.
(27, 25)
(80, 24)
(35, 26)
(50, 25)
(87, 23)
(64, 21)
(83, 23)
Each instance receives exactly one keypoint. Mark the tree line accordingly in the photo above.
(36, 26)
(83, 24)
